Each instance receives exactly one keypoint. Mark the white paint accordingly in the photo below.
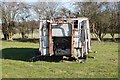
(45, 51)
(76, 42)
(61, 30)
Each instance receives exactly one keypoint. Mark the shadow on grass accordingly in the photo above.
(27, 54)
(23, 54)
(34, 40)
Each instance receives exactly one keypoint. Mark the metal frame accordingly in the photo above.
(84, 48)
(50, 40)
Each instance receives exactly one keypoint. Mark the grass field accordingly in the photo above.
(16, 54)
(35, 35)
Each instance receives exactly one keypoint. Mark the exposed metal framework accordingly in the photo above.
(65, 37)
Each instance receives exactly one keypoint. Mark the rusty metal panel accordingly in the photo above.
(50, 41)
(72, 39)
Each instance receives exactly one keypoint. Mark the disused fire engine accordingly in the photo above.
(64, 37)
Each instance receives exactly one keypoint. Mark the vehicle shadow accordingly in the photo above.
(22, 54)
(27, 55)
(33, 40)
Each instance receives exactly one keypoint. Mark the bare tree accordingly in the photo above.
(46, 9)
(22, 17)
(33, 25)
(8, 16)
(64, 11)
(114, 18)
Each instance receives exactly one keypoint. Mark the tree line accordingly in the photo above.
(21, 17)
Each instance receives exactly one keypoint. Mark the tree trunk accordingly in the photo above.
(5, 36)
(100, 36)
(103, 35)
(97, 37)
(32, 33)
(113, 38)
(93, 26)
(10, 36)
(23, 35)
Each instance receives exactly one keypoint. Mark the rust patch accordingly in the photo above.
(50, 40)
(72, 39)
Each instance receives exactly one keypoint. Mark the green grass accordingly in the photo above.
(104, 64)
(36, 35)
(17, 35)
(106, 36)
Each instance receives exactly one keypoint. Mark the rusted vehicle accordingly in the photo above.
(64, 37)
